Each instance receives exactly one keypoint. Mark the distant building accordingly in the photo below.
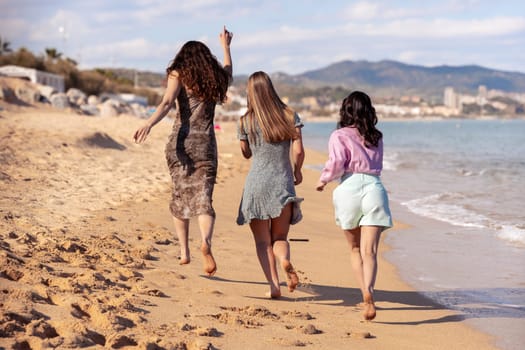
(35, 76)
(311, 102)
(482, 91)
(482, 94)
(450, 98)
(132, 98)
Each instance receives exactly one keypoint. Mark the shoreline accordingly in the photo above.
(430, 257)
(412, 119)
(89, 254)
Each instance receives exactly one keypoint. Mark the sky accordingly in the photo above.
(272, 35)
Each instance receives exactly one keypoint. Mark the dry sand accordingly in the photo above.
(89, 257)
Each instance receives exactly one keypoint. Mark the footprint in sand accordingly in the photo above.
(79, 312)
(299, 315)
(76, 335)
(247, 317)
(207, 332)
(291, 342)
(228, 318)
(359, 335)
(117, 341)
(41, 329)
(309, 329)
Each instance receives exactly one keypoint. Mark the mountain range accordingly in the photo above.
(393, 79)
(385, 78)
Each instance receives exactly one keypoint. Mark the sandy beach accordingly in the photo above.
(89, 258)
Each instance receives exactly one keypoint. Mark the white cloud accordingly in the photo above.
(409, 56)
(362, 10)
(132, 50)
(283, 35)
(151, 11)
(140, 33)
(441, 28)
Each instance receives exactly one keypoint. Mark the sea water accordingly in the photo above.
(460, 185)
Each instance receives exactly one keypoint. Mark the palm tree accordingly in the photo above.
(4, 46)
(53, 53)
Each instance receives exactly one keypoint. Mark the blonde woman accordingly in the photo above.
(196, 82)
(269, 203)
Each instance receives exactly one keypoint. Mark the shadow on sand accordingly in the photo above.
(468, 303)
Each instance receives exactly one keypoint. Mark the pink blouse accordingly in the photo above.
(347, 154)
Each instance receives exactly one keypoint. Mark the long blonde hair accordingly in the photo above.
(274, 117)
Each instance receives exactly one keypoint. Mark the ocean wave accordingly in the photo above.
(435, 207)
(393, 162)
(512, 234)
(390, 161)
(467, 173)
(438, 207)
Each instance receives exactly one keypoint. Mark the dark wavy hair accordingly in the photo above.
(357, 111)
(200, 72)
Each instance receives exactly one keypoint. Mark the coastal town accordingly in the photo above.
(485, 104)
(50, 88)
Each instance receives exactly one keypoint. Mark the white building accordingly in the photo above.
(35, 76)
(132, 98)
(450, 98)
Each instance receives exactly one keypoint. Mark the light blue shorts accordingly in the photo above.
(361, 200)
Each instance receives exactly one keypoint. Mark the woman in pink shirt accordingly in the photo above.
(355, 157)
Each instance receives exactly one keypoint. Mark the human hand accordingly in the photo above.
(142, 133)
(320, 186)
(225, 37)
(298, 175)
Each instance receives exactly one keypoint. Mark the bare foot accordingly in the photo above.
(209, 262)
(184, 261)
(291, 277)
(369, 311)
(276, 294)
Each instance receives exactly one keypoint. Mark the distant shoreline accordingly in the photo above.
(412, 119)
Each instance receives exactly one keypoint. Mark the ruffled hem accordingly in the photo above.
(274, 213)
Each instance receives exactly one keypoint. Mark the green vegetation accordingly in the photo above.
(4, 46)
(92, 82)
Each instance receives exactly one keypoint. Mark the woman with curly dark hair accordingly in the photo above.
(355, 157)
(196, 82)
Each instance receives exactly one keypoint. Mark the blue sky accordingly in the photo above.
(272, 35)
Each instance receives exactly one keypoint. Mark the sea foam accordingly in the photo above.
(512, 234)
(435, 207)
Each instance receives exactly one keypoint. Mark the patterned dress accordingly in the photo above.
(191, 154)
(269, 185)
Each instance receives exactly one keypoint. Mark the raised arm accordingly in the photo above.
(171, 93)
(226, 38)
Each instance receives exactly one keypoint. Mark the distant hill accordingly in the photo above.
(384, 78)
(142, 78)
(391, 78)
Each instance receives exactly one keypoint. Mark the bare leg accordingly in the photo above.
(369, 242)
(206, 224)
(181, 229)
(281, 248)
(354, 240)
(263, 245)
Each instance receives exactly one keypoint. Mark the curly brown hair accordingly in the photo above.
(200, 72)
